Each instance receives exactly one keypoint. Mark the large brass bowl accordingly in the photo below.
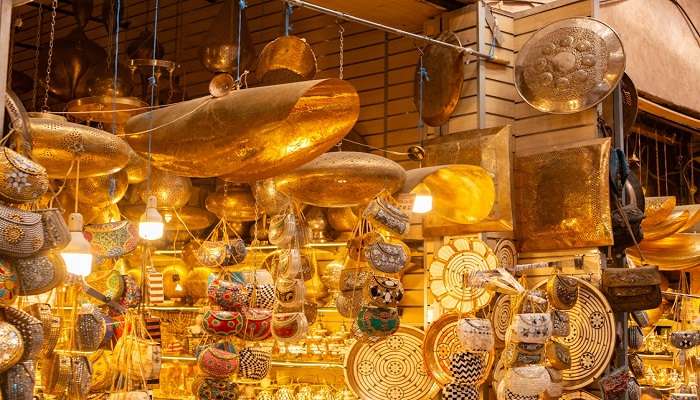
(100, 191)
(57, 142)
(106, 108)
(234, 204)
(284, 60)
(342, 179)
(171, 191)
(249, 134)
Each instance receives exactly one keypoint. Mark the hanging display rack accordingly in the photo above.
(396, 31)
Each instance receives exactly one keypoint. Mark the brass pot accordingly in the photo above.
(171, 191)
(232, 203)
(137, 168)
(342, 179)
(220, 50)
(284, 60)
(100, 191)
(267, 195)
(249, 134)
(56, 143)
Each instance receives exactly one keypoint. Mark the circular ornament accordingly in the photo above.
(501, 316)
(507, 254)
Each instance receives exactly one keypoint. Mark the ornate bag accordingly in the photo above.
(211, 254)
(217, 363)
(310, 310)
(39, 274)
(378, 321)
(258, 324)
(113, 239)
(254, 364)
(354, 279)
(235, 251)
(210, 389)
(562, 292)
(635, 336)
(289, 292)
(560, 323)
(558, 355)
(50, 323)
(261, 295)
(56, 373)
(290, 264)
(556, 387)
(90, 328)
(502, 393)
(56, 232)
(223, 323)
(17, 383)
(521, 354)
(230, 296)
(79, 382)
(349, 304)
(132, 292)
(383, 212)
(21, 232)
(636, 365)
(30, 329)
(634, 391)
(475, 334)
(23, 180)
(137, 357)
(8, 284)
(289, 326)
(532, 328)
(684, 340)
(459, 391)
(283, 230)
(387, 256)
(385, 291)
(614, 386)
(530, 380)
(632, 289)
(468, 368)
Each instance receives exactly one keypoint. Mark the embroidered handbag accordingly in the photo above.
(468, 368)
(556, 387)
(261, 295)
(354, 279)
(211, 253)
(30, 329)
(532, 328)
(560, 323)
(217, 363)
(378, 321)
(258, 324)
(254, 363)
(357, 244)
(520, 354)
(8, 284)
(384, 212)
(51, 326)
(635, 337)
(132, 292)
(289, 326)
(17, 383)
(387, 255)
(223, 323)
(614, 386)
(214, 389)
(56, 373)
(558, 355)
(632, 289)
(113, 239)
(90, 328)
(137, 357)
(562, 291)
(289, 292)
(230, 296)
(529, 380)
(349, 304)
(475, 334)
(684, 340)
(21, 233)
(636, 365)
(23, 180)
(385, 291)
(79, 382)
(459, 391)
(235, 252)
(283, 230)
(56, 232)
(39, 274)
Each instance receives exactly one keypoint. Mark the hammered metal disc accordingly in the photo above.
(569, 66)
(451, 264)
(592, 338)
(390, 369)
(440, 343)
(501, 316)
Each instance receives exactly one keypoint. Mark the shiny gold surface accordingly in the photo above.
(657, 210)
(219, 52)
(691, 225)
(342, 179)
(672, 253)
(92, 108)
(569, 65)
(250, 134)
(137, 168)
(492, 150)
(267, 196)
(443, 86)
(100, 191)
(342, 219)
(673, 224)
(233, 204)
(57, 142)
(563, 198)
(194, 218)
(171, 191)
(284, 60)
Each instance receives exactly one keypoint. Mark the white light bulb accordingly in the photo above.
(151, 222)
(423, 203)
(178, 287)
(78, 254)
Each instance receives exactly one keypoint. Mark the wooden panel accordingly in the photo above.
(553, 13)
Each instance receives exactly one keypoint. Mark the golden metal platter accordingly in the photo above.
(233, 204)
(569, 65)
(342, 179)
(390, 369)
(451, 265)
(100, 191)
(284, 60)
(249, 134)
(673, 224)
(680, 251)
(106, 108)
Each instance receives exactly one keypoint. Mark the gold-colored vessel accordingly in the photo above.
(284, 60)
(219, 52)
(100, 191)
(232, 203)
(137, 168)
(342, 179)
(104, 108)
(171, 191)
(249, 134)
(192, 218)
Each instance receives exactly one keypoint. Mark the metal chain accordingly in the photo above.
(54, 6)
(37, 45)
(341, 30)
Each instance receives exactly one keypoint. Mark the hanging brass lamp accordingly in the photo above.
(219, 52)
(234, 203)
(100, 191)
(284, 60)
(137, 168)
(171, 191)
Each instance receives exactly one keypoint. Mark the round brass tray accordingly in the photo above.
(390, 369)
(106, 108)
(440, 343)
(501, 315)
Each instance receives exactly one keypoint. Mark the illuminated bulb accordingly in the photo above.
(78, 254)
(168, 217)
(151, 222)
(423, 202)
(178, 287)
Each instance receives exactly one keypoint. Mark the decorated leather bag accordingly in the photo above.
(51, 325)
(556, 386)
(90, 328)
(260, 295)
(113, 239)
(254, 363)
(39, 273)
(132, 292)
(17, 383)
(354, 279)
(289, 326)
(475, 334)
(385, 291)
(9, 285)
(684, 340)
(258, 324)
(384, 212)
(558, 355)
(632, 289)
(636, 365)
(217, 363)
(532, 328)
(529, 380)
(23, 180)
(211, 388)
(283, 230)
(614, 386)
(641, 318)
(289, 292)
(229, 296)
(290, 264)
(387, 255)
(56, 232)
(235, 252)
(562, 291)
(378, 321)
(21, 232)
(468, 368)
(458, 391)
(30, 329)
(56, 373)
(211, 253)
(560, 323)
(223, 323)
(635, 337)
(521, 354)
(79, 382)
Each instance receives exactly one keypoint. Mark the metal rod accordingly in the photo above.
(396, 31)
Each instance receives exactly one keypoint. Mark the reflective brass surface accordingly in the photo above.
(57, 142)
(342, 179)
(443, 86)
(563, 198)
(100, 191)
(137, 168)
(232, 203)
(171, 191)
(219, 52)
(569, 65)
(250, 134)
(673, 224)
(92, 108)
(267, 196)
(693, 222)
(194, 218)
(680, 251)
(284, 60)
(657, 210)
(342, 219)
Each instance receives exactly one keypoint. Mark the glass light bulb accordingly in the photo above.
(423, 203)
(178, 287)
(78, 254)
(151, 223)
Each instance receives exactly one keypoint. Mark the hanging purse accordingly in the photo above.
(260, 295)
(558, 355)
(562, 291)
(205, 388)
(132, 292)
(383, 212)
(40, 273)
(636, 365)
(235, 252)
(113, 239)
(378, 321)
(290, 264)
(390, 256)
(684, 340)
(90, 328)
(614, 386)
(30, 329)
(532, 328)
(51, 326)
(475, 334)
(289, 326)
(79, 382)
(289, 292)
(468, 368)
(56, 232)
(211, 254)
(137, 357)
(217, 363)
(560, 323)
(223, 323)
(8, 284)
(349, 303)
(354, 279)
(229, 296)
(17, 383)
(385, 291)
(521, 354)
(459, 391)
(635, 337)
(254, 363)
(556, 386)
(258, 324)
(23, 180)
(283, 230)
(21, 233)
(56, 373)
(632, 289)
(530, 380)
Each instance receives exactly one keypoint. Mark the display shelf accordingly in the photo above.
(268, 247)
(274, 363)
(655, 357)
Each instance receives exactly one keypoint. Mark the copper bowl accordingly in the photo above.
(284, 60)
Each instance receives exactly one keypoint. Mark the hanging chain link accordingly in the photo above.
(341, 30)
(54, 6)
(37, 46)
